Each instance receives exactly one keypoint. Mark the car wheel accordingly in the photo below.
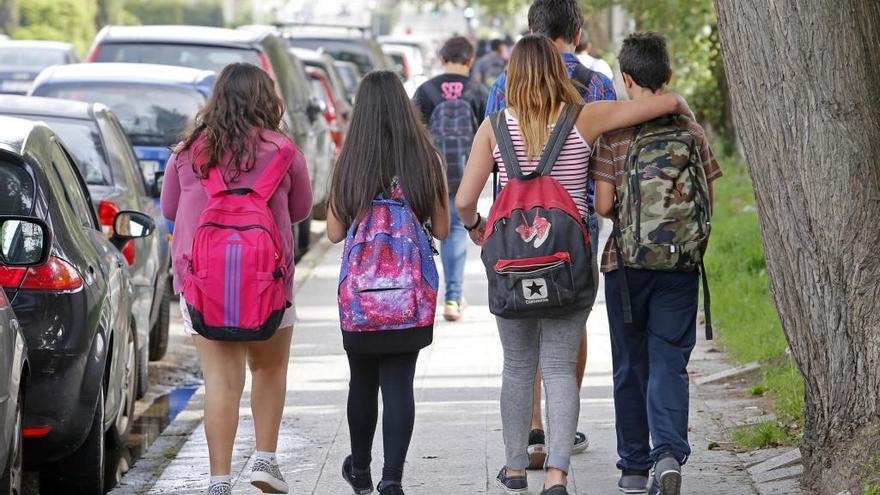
(159, 332)
(83, 472)
(10, 482)
(122, 426)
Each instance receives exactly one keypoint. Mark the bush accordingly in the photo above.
(203, 13)
(72, 21)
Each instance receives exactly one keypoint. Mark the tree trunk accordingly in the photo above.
(805, 82)
(8, 16)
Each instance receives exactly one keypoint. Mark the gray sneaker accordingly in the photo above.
(221, 488)
(266, 476)
(512, 484)
(633, 482)
(666, 479)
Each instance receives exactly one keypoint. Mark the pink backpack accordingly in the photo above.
(234, 285)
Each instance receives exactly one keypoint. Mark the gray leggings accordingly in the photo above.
(554, 344)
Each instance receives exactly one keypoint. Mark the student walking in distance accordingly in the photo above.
(234, 187)
(489, 67)
(561, 21)
(387, 198)
(589, 61)
(538, 254)
(453, 105)
(652, 266)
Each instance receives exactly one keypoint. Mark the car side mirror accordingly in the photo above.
(24, 241)
(315, 108)
(132, 225)
(158, 180)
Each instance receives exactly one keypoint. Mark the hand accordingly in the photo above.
(683, 108)
(478, 233)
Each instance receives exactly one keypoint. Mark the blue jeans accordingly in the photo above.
(453, 254)
(650, 358)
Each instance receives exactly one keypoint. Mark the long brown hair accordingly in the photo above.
(386, 139)
(243, 100)
(537, 87)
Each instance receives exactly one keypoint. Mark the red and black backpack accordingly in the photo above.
(537, 247)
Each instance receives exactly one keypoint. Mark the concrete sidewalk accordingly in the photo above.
(457, 446)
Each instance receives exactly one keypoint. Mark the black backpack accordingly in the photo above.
(453, 126)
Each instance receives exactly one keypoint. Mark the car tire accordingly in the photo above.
(118, 433)
(159, 332)
(83, 472)
(10, 481)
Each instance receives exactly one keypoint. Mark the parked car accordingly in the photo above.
(421, 54)
(154, 103)
(351, 77)
(337, 112)
(214, 48)
(13, 350)
(104, 156)
(76, 312)
(348, 44)
(319, 60)
(21, 61)
(402, 65)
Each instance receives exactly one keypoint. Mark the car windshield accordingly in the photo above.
(150, 115)
(203, 57)
(17, 56)
(342, 50)
(16, 190)
(83, 140)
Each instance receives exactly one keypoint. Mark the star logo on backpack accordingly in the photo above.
(534, 289)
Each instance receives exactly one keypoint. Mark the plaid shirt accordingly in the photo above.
(600, 88)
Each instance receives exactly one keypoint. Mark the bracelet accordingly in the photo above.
(476, 224)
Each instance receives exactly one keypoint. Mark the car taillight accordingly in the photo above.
(107, 211)
(55, 274)
(10, 276)
(93, 55)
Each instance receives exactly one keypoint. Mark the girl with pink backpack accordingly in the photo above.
(388, 196)
(234, 187)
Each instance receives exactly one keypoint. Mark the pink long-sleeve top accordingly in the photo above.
(184, 198)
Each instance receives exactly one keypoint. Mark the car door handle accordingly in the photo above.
(90, 276)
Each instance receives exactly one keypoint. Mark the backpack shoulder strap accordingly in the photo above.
(214, 183)
(583, 76)
(561, 130)
(271, 178)
(505, 144)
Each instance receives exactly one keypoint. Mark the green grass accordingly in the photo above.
(768, 434)
(872, 475)
(743, 311)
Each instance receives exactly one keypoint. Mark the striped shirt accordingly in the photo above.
(609, 165)
(571, 169)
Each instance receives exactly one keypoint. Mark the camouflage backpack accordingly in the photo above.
(663, 212)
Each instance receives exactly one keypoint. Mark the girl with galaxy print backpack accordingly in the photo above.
(388, 197)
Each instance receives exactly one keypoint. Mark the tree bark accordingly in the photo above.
(8, 16)
(805, 82)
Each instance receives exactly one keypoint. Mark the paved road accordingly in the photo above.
(457, 445)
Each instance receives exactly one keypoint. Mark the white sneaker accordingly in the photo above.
(221, 488)
(266, 476)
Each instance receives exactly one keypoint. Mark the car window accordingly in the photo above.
(83, 139)
(74, 189)
(16, 189)
(284, 74)
(203, 57)
(16, 56)
(344, 50)
(121, 154)
(151, 115)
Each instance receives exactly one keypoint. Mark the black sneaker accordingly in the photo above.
(666, 479)
(633, 482)
(537, 449)
(512, 484)
(390, 488)
(361, 483)
(581, 442)
(555, 490)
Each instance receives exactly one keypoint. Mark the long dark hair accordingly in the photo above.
(244, 100)
(386, 139)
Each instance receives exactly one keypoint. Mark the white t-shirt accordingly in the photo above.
(597, 64)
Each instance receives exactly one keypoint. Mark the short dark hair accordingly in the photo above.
(496, 44)
(457, 50)
(645, 58)
(556, 19)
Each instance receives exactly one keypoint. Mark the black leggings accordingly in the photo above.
(394, 373)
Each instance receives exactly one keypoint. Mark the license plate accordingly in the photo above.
(15, 86)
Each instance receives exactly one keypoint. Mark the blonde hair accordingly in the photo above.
(538, 85)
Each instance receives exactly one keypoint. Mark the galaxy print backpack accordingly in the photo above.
(388, 279)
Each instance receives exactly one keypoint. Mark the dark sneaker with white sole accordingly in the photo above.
(555, 490)
(512, 484)
(390, 488)
(360, 482)
(667, 477)
(581, 442)
(266, 476)
(633, 482)
(537, 449)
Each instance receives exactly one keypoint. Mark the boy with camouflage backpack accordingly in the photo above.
(655, 182)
